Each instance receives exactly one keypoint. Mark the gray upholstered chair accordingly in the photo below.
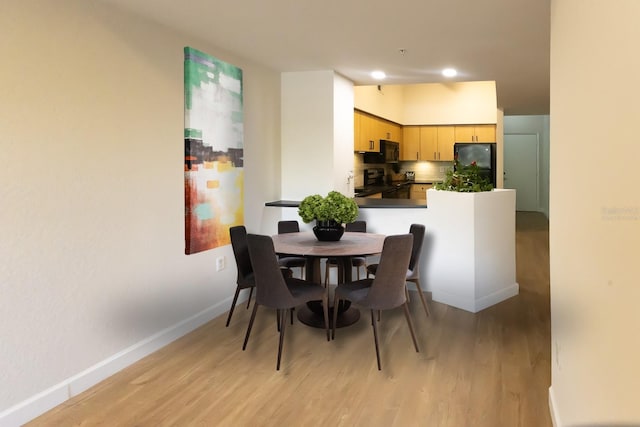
(275, 291)
(413, 272)
(245, 277)
(384, 292)
(356, 261)
(289, 261)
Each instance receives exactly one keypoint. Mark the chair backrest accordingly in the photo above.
(238, 236)
(357, 226)
(417, 230)
(388, 287)
(271, 288)
(288, 227)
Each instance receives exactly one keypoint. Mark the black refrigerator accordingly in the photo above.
(484, 154)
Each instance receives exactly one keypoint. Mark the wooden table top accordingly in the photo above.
(306, 244)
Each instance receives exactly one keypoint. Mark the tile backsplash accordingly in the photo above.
(424, 171)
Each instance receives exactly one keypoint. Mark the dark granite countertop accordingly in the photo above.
(362, 202)
(374, 189)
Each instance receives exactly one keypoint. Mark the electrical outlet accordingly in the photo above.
(220, 263)
(442, 168)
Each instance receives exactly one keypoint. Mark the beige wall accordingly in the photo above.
(91, 186)
(594, 212)
(383, 101)
(431, 103)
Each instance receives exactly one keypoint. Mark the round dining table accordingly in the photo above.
(306, 244)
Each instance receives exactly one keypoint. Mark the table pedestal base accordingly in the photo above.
(311, 315)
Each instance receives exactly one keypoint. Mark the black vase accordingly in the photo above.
(328, 231)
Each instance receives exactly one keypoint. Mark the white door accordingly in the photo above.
(521, 169)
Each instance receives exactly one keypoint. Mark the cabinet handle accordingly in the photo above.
(417, 156)
(438, 155)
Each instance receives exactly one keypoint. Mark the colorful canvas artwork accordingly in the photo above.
(213, 150)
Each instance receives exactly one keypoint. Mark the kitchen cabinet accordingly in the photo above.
(475, 133)
(419, 191)
(409, 150)
(427, 143)
(368, 130)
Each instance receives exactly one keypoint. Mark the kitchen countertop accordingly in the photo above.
(362, 202)
(374, 189)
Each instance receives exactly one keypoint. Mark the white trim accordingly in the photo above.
(496, 297)
(47, 399)
(555, 418)
(475, 305)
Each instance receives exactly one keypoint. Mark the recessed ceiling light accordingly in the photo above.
(449, 72)
(378, 75)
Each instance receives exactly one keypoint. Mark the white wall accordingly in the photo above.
(317, 133)
(594, 212)
(538, 125)
(91, 185)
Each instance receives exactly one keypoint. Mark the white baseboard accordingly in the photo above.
(555, 419)
(496, 297)
(54, 396)
(474, 305)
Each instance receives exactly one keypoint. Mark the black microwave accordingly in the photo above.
(389, 153)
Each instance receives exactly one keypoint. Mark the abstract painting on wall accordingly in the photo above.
(213, 150)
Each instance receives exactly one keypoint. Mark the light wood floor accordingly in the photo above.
(491, 368)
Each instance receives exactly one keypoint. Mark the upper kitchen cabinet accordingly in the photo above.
(427, 143)
(475, 133)
(368, 130)
(410, 147)
(446, 140)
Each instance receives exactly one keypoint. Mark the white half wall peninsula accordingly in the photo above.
(468, 259)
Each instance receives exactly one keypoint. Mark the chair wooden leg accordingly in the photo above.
(325, 309)
(405, 306)
(253, 316)
(421, 295)
(375, 338)
(233, 304)
(278, 319)
(336, 300)
(291, 310)
(326, 273)
(281, 342)
(249, 299)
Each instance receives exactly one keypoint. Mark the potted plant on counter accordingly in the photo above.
(330, 213)
(465, 179)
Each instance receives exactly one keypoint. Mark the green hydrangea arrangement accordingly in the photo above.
(335, 206)
(465, 179)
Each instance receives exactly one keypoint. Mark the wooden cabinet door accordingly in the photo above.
(368, 129)
(395, 132)
(410, 143)
(446, 139)
(464, 133)
(475, 133)
(428, 143)
(485, 133)
(419, 191)
(356, 131)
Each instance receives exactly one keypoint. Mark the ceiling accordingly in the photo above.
(502, 40)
